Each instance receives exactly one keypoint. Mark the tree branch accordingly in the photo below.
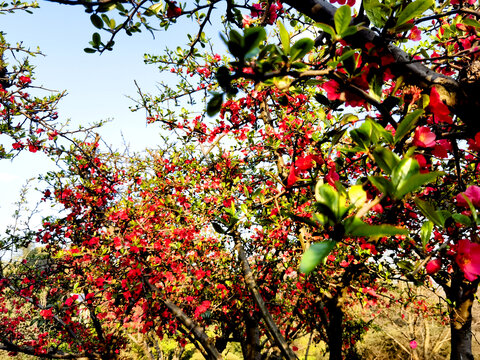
(252, 286)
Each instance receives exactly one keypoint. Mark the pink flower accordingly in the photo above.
(472, 193)
(424, 137)
(468, 259)
(413, 344)
(247, 21)
(433, 266)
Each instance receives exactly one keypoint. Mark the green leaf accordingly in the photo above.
(315, 254)
(356, 227)
(406, 168)
(471, 22)
(96, 40)
(342, 19)
(329, 198)
(235, 44)
(96, 21)
(89, 50)
(412, 10)
(218, 228)
(382, 184)
(301, 48)
(284, 37)
(407, 124)
(376, 12)
(350, 31)
(215, 103)
(385, 159)
(426, 232)
(223, 77)
(357, 195)
(328, 29)
(414, 182)
(252, 38)
(429, 212)
(462, 219)
(154, 9)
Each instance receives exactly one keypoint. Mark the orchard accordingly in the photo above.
(316, 157)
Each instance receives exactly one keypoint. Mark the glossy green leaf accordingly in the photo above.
(471, 22)
(356, 227)
(301, 48)
(154, 9)
(284, 37)
(383, 185)
(252, 38)
(429, 212)
(328, 197)
(407, 124)
(406, 168)
(376, 12)
(414, 9)
(349, 31)
(342, 19)
(328, 29)
(462, 219)
(414, 182)
(315, 254)
(426, 232)
(386, 159)
(96, 21)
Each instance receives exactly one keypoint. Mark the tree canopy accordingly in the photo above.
(328, 155)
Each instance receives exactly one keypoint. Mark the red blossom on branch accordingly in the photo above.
(440, 111)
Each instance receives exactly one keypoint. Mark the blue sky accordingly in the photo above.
(98, 86)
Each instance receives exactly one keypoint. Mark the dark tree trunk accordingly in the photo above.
(461, 294)
(251, 343)
(335, 329)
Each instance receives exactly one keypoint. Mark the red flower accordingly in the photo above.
(306, 162)
(472, 193)
(441, 149)
(415, 34)
(438, 108)
(202, 308)
(292, 177)
(468, 259)
(433, 266)
(424, 137)
(32, 147)
(25, 80)
(173, 10)
(17, 146)
(332, 176)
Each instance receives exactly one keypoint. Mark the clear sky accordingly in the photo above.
(98, 86)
